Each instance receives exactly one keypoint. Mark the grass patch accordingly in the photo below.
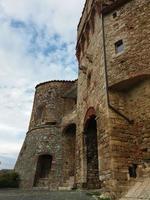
(9, 179)
(97, 195)
(93, 193)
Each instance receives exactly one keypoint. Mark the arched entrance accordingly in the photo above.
(43, 170)
(69, 137)
(90, 132)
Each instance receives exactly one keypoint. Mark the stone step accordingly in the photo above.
(65, 188)
(42, 183)
(94, 185)
(40, 188)
(140, 190)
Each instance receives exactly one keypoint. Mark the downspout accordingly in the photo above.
(106, 75)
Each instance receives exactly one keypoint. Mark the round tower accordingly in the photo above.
(40, 161)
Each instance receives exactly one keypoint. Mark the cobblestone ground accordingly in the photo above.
(43, 195)
(140, 191)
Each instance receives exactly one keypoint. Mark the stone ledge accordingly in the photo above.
(129, 82)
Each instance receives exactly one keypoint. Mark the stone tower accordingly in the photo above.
(40, 162)
(103, 141)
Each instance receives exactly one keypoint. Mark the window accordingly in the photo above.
(132, 170)
(39, 113)
(119, 46)
(114, 14)
(93, 20)
(51, 123)
(89, 79)
(87, 33)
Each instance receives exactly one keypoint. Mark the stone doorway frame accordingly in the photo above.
(91, 113)
(37, 173)
(65, 133)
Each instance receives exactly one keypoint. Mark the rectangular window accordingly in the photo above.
(115, 14)
(119, 46)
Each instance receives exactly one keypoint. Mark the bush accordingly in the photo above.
(9, 180)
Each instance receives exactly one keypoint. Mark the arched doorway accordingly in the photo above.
(69, 137)
(43, 170)
(90, 132)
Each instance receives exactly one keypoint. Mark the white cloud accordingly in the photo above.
(10, 147)
(61, 17)
(37, 43)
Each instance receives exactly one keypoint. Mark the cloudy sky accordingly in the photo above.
(37, 43)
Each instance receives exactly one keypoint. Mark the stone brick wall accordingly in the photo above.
(132, 25)
(92, 93)
(127, 74)
(139, 107)
(120, 144)
(130, 142)
(68, 151)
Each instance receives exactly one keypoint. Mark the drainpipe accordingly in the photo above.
(106, 75)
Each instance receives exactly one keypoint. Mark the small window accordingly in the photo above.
(132, 170)
(39, 113)
(89, 79)
(51, 123)
(145, 150)
(119, 46)
(114, 14)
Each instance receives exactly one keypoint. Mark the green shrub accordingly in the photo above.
(9, 180)
(97, 195)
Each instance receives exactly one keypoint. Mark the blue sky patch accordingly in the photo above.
(17, 24)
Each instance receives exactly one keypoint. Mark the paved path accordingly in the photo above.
(43, 195)
(140, 191)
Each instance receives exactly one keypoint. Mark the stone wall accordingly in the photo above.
(139, 106)
(68, 151)
(40, 142)
(130, 142)
(120, 144)
(92, 93)
(127, 74)
(132, 25)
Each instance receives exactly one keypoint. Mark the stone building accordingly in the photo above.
(95, 132)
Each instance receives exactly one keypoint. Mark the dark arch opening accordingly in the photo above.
(69, 137)
(43, 168)
(132, 170)
(92, 153)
